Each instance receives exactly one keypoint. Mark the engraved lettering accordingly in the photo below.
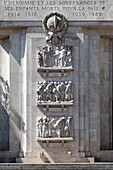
(78, 9)
(102, 2)
(77, 2)
(8, 8)
(33, 8)
(51, 8)
(51, 3)
(31, 14)
(40, 2)
(19, 2)
(13, 14)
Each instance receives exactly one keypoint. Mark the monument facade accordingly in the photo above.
(56, 81)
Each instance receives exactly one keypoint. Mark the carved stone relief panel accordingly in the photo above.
(54, 96)
(54, 92)
(54, 127)
(54, 57)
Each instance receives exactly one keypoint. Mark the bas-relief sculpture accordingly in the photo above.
(55, 26)
(54, 56)
(56, 53)
(54, 92)
(54, 127)
(4, 94)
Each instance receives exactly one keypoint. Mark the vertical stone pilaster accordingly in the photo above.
(29, 93)
(94, 92)
(81, 93)
(84, 93)
(23, 94)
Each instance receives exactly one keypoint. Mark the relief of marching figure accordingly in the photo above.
(56, 57)
(54, 92)
(54, 127)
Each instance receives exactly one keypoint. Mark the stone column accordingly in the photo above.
(23, 94)
(84, 94)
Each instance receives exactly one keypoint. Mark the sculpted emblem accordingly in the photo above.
(55, 26)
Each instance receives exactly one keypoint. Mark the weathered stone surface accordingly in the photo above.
(73, 10)
(89, 67)
(56, 166)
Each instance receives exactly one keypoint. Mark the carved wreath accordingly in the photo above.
(55, 22)
(55, 26)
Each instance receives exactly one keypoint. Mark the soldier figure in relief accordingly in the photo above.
(45, 56)
(68, 61)
(39, 127)
(56, 95)
(68, 92)
(56, 56)
(58, 126)
(49, 91)
(39, 59)
(62, 56)
(61, 90)
(67, 128)
(45, 127)
(51, 126)
(39, 91)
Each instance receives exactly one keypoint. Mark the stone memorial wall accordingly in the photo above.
(56, 81)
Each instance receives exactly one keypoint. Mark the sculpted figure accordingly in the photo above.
(56, 55)
(62, 56)
(50, 57)
(39, 59)
(61, 90)
(6, 96)
(67, 128)
(68, 92)
(45, 56)
(44, 93)
(58, 126)
(39, 127)
(45, 127)
(51, 128)
(56, 95)
(40, 91)
(49, 91)
(68, 61)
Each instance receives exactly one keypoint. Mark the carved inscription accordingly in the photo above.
(54, 127)
(73, 10)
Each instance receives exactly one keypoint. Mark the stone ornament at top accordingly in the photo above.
(55, 26)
